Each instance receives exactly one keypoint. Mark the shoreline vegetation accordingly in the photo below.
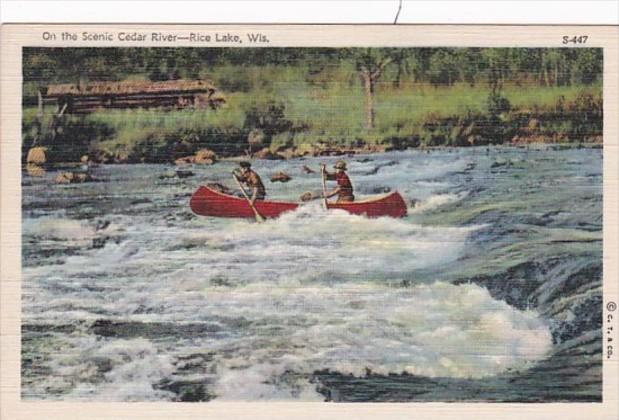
(294, 102)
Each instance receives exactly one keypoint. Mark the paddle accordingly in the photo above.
(324, 186)
(259, 218)
(310, 195)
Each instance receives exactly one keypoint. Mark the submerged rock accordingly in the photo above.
(382, 165)
(308, 170)
(35, 170)
(180, 173)
(104, 224)
(280, 177)
(266, 153)
(186, 390)
(133, 329)
(184, 174)
(381, 190)
(73, 178)
(500, 163)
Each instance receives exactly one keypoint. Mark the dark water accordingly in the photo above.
(489, 290)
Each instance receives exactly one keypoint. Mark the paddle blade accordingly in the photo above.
(309, 196)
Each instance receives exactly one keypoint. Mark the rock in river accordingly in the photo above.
(266, 153)
(73, 178)
(202, 156)
(308, 170)
(37, 156)
(281, 177)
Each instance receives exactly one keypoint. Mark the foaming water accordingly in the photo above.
(313, 290)
(305, 246)
(133, 293)
(436, 201)
(118, 370)
(318, 245)
(435, 330)
(59, 229)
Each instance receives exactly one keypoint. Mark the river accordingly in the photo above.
(489, 290)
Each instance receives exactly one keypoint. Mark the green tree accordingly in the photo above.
(443, 68)
(496, 67)
(407, 62)
(554, 67)
(371, 63)
(586, 66)
(467, 61)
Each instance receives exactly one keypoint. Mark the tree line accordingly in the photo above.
(438, 66)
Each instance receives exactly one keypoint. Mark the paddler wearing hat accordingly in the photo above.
(250, 178)
(344, 190)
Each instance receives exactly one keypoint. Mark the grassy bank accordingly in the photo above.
(289, 107)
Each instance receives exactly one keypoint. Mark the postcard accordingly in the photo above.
(304, 221)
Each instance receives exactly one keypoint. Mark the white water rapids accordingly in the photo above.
(308, 291)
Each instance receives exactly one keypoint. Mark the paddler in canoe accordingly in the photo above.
(344, 189)
(250, 178)
(208, 201)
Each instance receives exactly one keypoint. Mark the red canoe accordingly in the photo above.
(208, 202)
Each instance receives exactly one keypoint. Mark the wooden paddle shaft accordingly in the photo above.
(324, 187)
(259, 217)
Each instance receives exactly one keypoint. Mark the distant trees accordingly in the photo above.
(439, 66)
(495, 67)
(408, 64)
(443, 68)
(554, 68)
(586, 65)
(394, 66)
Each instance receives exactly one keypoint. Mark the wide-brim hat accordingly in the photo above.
(340, 164)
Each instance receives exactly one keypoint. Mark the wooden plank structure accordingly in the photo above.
(175, 94)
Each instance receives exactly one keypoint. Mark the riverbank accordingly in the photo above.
(415, 117)
(287, 154)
